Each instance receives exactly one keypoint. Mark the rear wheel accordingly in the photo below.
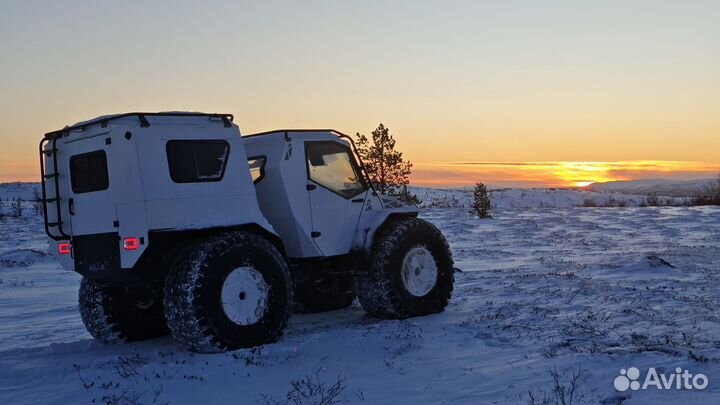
(228, 291)
(410, 271)
(115, 314)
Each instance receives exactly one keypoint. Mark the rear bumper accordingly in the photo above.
(97, 257)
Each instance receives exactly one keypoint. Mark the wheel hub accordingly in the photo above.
(244, 296)
(419, 271)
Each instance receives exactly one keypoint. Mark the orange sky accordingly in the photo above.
(555, 174)
(612, 84)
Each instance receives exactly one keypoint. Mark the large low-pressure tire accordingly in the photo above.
(115, 314)
(409, 271)
(329, 293)
(228, 291)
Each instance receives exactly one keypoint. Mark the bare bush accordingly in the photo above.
(708, 195)
(589, 202)
(37, 201)
(126, 367)
(560, 393)
(613, 202)
(16, 207)
(310, 390)
(652, 201)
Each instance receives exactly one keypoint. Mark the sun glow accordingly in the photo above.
(555, 174)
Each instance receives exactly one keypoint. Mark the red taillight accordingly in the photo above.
(131, 243)
(64, 248)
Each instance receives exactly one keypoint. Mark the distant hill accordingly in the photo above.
(675, 188)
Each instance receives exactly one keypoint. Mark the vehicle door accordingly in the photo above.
(337, 193)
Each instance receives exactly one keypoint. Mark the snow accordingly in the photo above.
(542, 290)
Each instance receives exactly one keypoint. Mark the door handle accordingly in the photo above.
(71, 206)
(310, 187)
(357, 200)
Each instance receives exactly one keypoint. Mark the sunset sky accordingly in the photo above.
(519, 93)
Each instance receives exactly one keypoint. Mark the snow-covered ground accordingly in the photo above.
(517, 198)
(544, 291)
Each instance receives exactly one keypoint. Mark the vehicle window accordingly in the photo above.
(257, 168)
(197, 161)
(89, 172)
(330, 165)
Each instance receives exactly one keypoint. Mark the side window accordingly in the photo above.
(331, 166)
(89, 172)
(257, 168)
(197, 161)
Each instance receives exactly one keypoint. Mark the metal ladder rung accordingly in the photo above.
(50, 176)
(52, 200)
(54, 223)
(50, 152)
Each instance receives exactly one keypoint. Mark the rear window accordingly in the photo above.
(89, 172)
(197, 161)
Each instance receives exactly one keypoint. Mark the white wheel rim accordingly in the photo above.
(419, 271)
(244, 296)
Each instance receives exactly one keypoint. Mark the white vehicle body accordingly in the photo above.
(113, 188)
(180, 225)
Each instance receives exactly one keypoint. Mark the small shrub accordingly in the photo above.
(560, 392)
(589, 202)
(310, 390)
(708, 195)
(16, 209)
(613, 202)
(652, 201)
(481, 201)
(407, 197)
(37, 201)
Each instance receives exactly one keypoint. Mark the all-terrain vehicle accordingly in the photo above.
(179, 224)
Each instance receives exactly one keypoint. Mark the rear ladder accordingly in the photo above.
(51, 192)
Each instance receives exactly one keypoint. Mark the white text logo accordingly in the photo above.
(679, 380)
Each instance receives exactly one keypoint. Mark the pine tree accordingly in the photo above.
(385, 166)
(481, 201)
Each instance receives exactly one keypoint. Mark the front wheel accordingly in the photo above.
(410, 271)
(228, 291)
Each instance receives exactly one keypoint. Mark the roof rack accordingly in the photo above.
(285, 131)
(103, 121)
